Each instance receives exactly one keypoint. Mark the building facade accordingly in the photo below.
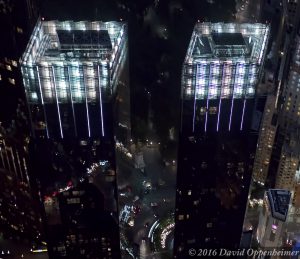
(220, 118)
(17, 19)
(288, 163)
(76, 81)
(20, 215)
(265, 141)
(291, 104)
(70, 72)
(272, 218)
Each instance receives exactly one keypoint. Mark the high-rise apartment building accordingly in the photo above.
(265, 141)
(17, 19)
(218, 135)
(76, 82)
(272, 218)
(291, 102)
(20, 216)
(289, 162)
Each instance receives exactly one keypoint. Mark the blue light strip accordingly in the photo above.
(56, 97)
(241, 128)
(230, 113)
(206, 114)
(101, 106)
(219, 111)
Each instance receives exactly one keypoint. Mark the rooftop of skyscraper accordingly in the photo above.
(279, 201)
(54, 41)
(227, 41)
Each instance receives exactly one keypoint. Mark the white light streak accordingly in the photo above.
(244, 106)
(206, 114)
(101, 106)
(86, 106)
(72, 103)
(57, 104)
(42, 99)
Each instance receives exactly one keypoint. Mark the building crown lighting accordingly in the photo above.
(223, 60)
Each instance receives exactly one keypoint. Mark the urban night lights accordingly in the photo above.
(149, 129)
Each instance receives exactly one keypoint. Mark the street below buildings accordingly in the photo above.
(147, 204)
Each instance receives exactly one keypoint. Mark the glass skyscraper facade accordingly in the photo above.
(220, 117)
(70, 69)
(223, 63)
(75, 74)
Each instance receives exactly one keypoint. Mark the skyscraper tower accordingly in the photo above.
(218, 135)
(19, 210)
(75, 75)
(17, 19)
(265, 142)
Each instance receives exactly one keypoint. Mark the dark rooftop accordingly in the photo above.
(279, 200)
(99, 38)
(232, 39)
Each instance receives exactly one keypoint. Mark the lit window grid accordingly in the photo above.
(48, 30)
(239, 84)
(78, 77)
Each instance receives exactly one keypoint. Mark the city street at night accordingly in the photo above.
(153, 204)
(150, 129)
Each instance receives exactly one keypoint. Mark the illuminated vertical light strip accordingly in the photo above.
(231, 112)
(232, 100)
(101, 106)
(72, 102)
(263, 50)
(207, 102)
(206, 113)
(194, 113)
(86, 104)
(244, 106)
(219, 111)
(220, 102)
(57, 104)
(42, 99)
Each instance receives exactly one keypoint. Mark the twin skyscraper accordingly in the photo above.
(76, 81)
